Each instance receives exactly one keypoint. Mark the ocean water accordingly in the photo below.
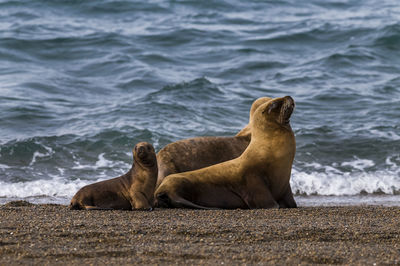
(81, 82)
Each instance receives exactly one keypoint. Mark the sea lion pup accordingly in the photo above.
(259, 178)
(195, 153)
(131, 191)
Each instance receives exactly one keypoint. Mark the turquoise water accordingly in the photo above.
(81, 82)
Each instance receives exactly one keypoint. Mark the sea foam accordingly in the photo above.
(55, 189)
(322, 181)
(332, 181)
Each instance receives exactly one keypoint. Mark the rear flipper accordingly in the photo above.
(287, 200)
(95, 208)
(77, 206)
(164, 200)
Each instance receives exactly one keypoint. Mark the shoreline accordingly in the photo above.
(53, 234)
(385, 200)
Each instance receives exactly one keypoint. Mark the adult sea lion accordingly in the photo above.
(259, 178)
(195, 153)
(133, 190)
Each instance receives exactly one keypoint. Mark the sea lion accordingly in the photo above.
(195, 153)
(258, 178)
(131, 191)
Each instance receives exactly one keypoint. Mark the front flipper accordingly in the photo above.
(261, 199)
(287, 200)
(257, 194)
(140, 202)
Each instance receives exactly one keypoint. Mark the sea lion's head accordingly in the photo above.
(144, 154)
(257, 103)
(280, 109)
(274, 113)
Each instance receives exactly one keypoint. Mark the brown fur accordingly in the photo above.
(259, 178)
(195, 153)
(133, 190)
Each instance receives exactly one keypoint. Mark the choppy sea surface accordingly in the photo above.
(81, 82)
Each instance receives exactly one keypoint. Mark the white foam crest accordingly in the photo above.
(3, 166)
(359, 164)
(330, 181)
(39, 188)
(100, 163)
(391, 161)
(37, 154)
(317, 183)
(326, 168)
(388, 135)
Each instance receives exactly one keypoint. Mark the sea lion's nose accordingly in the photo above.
(141, 149)
(289, 100)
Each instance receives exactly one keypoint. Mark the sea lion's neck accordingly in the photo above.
(133, 174)
(144, 177)
(272, 144)
(128, 178)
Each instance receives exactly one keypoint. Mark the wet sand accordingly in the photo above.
(53, 234)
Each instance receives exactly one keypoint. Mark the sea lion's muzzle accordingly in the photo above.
(162, 201)
(141, 152)
(286, 110)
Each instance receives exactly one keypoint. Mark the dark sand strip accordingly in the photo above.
(52, 234)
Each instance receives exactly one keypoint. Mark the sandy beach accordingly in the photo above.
(53, 234)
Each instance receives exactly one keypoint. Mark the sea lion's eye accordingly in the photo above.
(274, 106)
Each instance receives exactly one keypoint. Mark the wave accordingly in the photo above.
(303, 184)
(324, 181)
(389, 37)
(79, 89)
(328, 180)
(188, 91)
(57, 188)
